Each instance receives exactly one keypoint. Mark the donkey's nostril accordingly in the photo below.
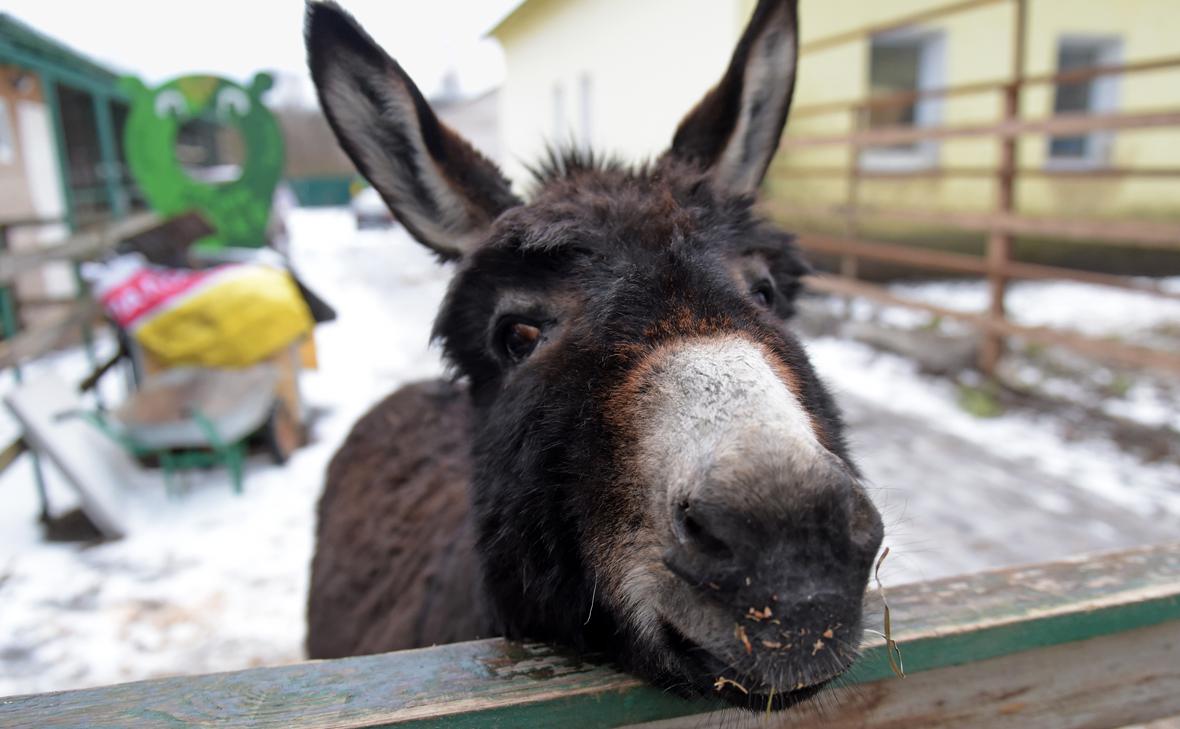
(696, 531)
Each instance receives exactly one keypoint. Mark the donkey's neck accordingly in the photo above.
(395, 565)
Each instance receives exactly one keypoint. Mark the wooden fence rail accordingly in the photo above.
(1094, 638)
(905, 98)
(924, 16)
(81, 246)
(77, 314)
(1143, 233)
(980, 172)
(1063, 124)
(1107, 351)
(967, 263)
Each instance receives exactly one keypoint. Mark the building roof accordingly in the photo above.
(24, 46)
(510, 17)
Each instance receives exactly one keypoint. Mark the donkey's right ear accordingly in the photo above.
(440, 188)
(734, 131)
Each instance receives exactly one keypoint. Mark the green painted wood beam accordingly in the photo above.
(109, 152)
(496, 683)
(53, 104)
(9, 54)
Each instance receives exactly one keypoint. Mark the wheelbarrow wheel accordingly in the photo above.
(283, 433)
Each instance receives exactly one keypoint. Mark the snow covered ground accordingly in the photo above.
(214, 581)
(893, 384)
(1091, 310)
(1098, 312)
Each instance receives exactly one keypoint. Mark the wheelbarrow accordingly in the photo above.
(198, 418)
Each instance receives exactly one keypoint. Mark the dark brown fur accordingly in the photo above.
(394, 530)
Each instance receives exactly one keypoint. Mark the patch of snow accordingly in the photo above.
(1095, 311)
(1147, 402)
(893, 383)
(1098, 311)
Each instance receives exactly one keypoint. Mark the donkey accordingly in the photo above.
(635, 457)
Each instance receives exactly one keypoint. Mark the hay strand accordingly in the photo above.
(892, 651)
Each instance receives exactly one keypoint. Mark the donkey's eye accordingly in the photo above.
(518, 339)
(763, 294)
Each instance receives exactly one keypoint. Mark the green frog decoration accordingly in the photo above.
(238, 209)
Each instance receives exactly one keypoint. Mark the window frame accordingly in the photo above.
(1104, 99)
(7, 132)
(928, 111)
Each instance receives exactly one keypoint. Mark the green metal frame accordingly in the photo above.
(173, 460)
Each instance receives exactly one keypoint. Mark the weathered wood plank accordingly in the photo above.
(54, 331)
(1102, 682)
(1102, 611)
(1058, 125)
(11, 452)
(1139, 232)
(968, 263)
(81, 246)
(924, 16)
(905, 98)
(1107, 350)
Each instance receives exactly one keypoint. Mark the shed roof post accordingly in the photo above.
(53, 104)
(108, 151)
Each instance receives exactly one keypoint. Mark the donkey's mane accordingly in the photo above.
(562, 161)
(569, 169)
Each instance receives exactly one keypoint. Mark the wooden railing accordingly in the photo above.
(22, 344)
(73, 317)
(1094, 638)
(1004, 222)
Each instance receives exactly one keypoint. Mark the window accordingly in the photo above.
(905, 61)
(1090, 96)
(7, 137)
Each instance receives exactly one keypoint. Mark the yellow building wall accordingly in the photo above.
(1148, 29)
(978, 47)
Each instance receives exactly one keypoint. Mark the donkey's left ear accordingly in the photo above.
(734, 131)
(444, 192)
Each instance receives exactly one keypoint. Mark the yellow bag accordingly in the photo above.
(235, 316)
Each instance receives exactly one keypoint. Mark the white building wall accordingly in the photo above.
(477, 120)
(640, 66)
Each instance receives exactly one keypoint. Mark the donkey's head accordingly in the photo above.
(659, 473)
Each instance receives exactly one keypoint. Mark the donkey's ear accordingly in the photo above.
(735, 130)
(440, 188)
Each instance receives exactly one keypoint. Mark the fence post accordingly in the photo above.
(999, 242)
(849, 263)
(110, 165)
